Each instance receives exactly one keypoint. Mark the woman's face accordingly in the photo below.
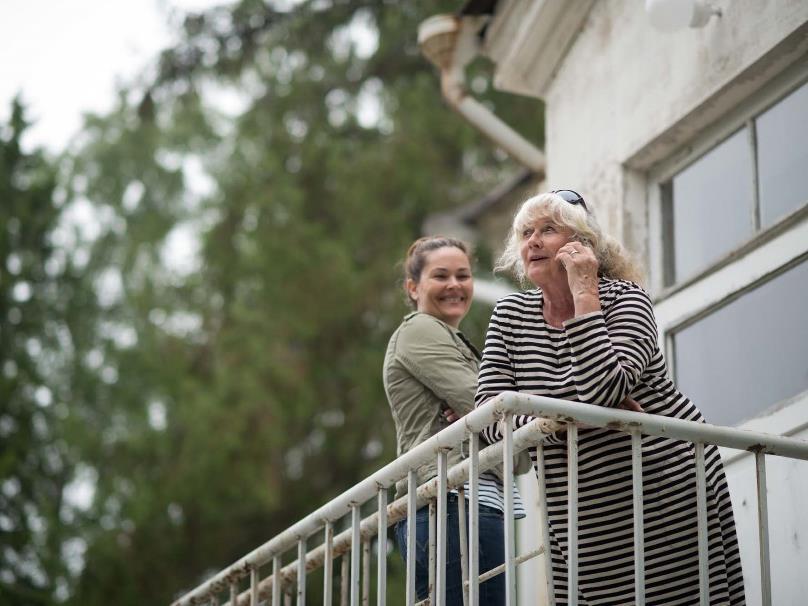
(445, 287)
(541, 240)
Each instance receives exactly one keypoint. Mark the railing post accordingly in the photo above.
(464, 547)
(411, 510)
(639, 523)
(328, 565)
(442, 534)
(474, 520)
(301, 572)
(366, 572)
(432, 550)
(345, 580)
(763, 530)
(355, 554)
(381, 574)
(701, 511)
(510, 536)
(254, 586)
(234, 593)
(572, 511)
(545, 526)
(276, 581)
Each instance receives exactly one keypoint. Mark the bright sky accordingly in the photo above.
(65, 56)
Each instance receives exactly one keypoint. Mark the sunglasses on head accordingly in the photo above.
(573, 197)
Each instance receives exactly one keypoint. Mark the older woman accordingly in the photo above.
(587, 333)
(430, 377)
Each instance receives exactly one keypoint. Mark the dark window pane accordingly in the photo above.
(750, 354)
(782, 137)
(713, 205)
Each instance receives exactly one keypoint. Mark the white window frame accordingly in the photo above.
(770, 252)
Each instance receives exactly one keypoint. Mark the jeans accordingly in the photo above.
(492, 553)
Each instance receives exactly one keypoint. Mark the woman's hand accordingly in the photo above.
(581, 266)
(450, 415)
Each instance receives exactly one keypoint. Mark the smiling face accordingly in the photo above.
(445, 286)
(541, 240)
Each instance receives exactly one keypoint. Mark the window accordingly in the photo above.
(749, 354)
(747, 182)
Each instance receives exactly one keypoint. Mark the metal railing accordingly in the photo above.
(353, 544)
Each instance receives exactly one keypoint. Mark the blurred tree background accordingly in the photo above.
(160, 419)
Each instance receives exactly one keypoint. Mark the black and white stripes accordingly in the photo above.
(600, 358)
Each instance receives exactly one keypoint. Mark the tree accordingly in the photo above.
(235, 397)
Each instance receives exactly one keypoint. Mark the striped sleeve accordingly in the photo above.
(611, 350)
(496, 372)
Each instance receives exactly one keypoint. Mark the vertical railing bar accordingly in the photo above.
(345, 580)
(763, 530)
(381, 545)
(572, 512)
(328, 565)
(356, 520)
(254, 586)
(639, 523)
(442, 535)
(474, 520)
(301, 572)
(234, 593)
(701, 509)
(276, 581)
(464, 547)
(411, 504)
(510, 537)
(214, 601)
(366, 572)
(432, 549)
(544, 522)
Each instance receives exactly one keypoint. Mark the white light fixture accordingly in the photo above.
(670, 15)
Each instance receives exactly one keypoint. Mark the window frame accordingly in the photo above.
(770, 252)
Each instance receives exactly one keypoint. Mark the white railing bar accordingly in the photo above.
(345, 579)
(464, 544)
(432, 548)
(639, 524)
(328, 566)
(356, 520)
(544, 522)
(254, 587)
(490, 574)
(572, 514)
(474, 519)
(701, 513)
(412, 507)
(442, 533)
(763, 530)
(473, 422)
(276, 588)
(366, 572)
(233, 592)
(381, 545)
(301, 573)
(510, 535)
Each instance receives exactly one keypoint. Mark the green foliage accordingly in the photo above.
(226, 401)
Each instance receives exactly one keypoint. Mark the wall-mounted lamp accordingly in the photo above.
(670, 15)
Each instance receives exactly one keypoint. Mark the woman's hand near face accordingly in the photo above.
(581, 266)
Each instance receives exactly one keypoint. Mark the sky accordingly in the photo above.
(65, 56)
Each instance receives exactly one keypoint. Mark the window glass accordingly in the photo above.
(748, 355)
(713, 205)
(782, 147)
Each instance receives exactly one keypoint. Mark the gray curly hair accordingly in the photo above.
(614, 260)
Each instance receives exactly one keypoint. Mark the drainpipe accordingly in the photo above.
(451, 42)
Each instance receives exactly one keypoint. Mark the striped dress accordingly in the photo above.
(601, 358)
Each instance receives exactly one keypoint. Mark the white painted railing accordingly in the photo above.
(353, 544)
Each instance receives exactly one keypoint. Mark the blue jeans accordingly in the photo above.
(492, 553)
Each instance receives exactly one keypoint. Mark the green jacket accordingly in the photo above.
(428, 366)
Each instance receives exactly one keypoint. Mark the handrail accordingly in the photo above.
(549, 409)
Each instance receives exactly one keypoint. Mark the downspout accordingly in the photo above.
(451, 42)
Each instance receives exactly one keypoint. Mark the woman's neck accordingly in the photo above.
(559, 305)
